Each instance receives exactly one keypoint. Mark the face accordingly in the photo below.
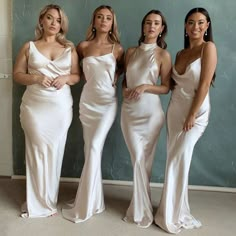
(196, 25)
(103, 20)
(51, 22)
(152, 26)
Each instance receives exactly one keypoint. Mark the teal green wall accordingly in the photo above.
(214, 159)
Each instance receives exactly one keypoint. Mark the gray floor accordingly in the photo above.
(216, 210)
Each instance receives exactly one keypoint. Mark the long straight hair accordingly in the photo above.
(207, 37)
(113, 35)
(160, 40)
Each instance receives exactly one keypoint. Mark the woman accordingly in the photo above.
(187, 118)
(47, 66)
(101, 54)
(142, 116)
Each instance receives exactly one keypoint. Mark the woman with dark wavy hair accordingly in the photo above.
(187, 118)
(142, 116)
(47, 66)
(101, 55)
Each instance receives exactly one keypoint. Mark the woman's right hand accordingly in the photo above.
(44, 81)
(126, 92)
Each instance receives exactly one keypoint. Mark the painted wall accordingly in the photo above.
(6, 162)
(214, 159)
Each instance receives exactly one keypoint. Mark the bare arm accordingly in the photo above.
(120, 62)
(20, 71)
(126, 91)
(208, 67)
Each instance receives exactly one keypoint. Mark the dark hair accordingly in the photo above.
(209, 36)
(160, 40)
(113, 35)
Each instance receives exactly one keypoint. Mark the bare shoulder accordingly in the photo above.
(130, 50)
(209, 47)
(119, 51)
(25, 49)
(163, 55)
(81, 47)
(26, 46)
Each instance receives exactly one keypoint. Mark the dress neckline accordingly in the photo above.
(187, 67)
(57, 58)
(101, 56)
(148, 46)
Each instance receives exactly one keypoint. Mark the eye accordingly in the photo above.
(190, 22)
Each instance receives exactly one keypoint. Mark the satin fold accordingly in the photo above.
(98, 106)
(141, 123)
(173, 212)
(45, 115)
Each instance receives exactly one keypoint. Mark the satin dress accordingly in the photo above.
(98, 107)
(141, 123)
(45, 115)
(173, 213)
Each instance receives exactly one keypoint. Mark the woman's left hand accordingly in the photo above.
(189, 123)
(137, 92)
(59, 82)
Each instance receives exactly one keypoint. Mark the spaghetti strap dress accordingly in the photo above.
(98, 107)
(45, 116)
(173, 213)
(141, 123)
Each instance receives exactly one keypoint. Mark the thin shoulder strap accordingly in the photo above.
(202, 49)
(113, 47)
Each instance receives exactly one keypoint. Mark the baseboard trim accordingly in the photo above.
(153, 185)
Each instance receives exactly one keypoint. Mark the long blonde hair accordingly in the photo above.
(113, 35)
(61, 36)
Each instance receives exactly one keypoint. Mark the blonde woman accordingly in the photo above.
(47, 66)
(101, 56)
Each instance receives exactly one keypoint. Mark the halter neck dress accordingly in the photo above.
(141, 123)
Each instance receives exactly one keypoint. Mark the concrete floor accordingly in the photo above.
(216, 211)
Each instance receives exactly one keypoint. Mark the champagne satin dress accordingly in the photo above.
(45, 115)
(98, 107)
(173, 213)
(141, 123)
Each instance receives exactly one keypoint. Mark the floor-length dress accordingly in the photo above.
(45, 116)
(98, 106)
(173, 213)
(141, 122)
